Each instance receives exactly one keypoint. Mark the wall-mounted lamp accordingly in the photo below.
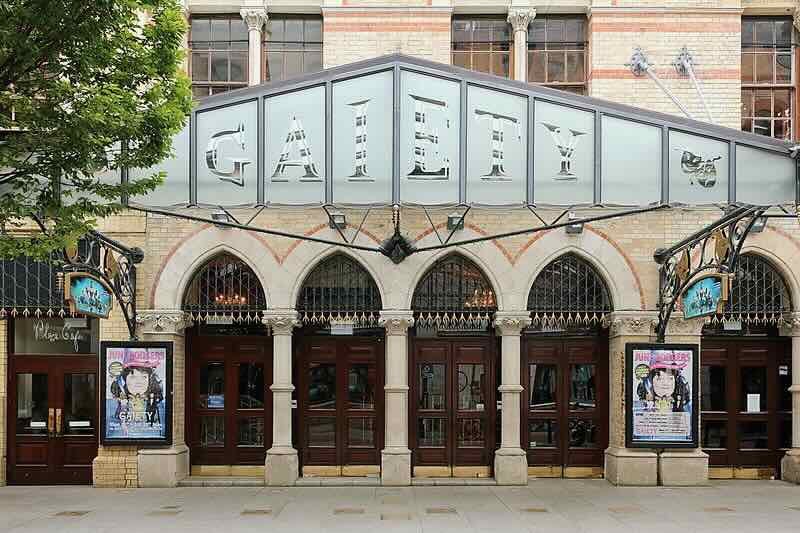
(576, 228)
(759, 225)
(455, 221)
(220, 216)
(337, 220)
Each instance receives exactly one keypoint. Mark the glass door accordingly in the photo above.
(474, 406)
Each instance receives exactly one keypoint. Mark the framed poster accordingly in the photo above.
(705, 296)
(661, 401)
(88, 295)
(136, 383)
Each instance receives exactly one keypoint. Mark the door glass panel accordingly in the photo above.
(361, 432)
(212, 431)
(785, 433)
(322, 386)
(251, 386)
(754, 383)
(31, 404)
(469, 433)
(79, 404)
(713, 388)
(542, 434)
(432, 432)
(251, 431)
(470, 388)
(322, 432)
(431, 386)
(582, 433)
(714, 434)
(753, 435)
(543, 387)
(361, 386)
(583, 387)
(212, 386)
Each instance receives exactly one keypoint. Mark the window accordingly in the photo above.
(218, 54)
(767, 76)
(292, 46)
(482, 44)
(557, 52)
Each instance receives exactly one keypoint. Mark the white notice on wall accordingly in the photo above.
(753, 403)
(36, 424)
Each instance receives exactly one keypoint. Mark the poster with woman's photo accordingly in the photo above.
(661, 393)
(137, 388)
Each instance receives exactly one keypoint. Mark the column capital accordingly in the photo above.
(791, 323)
(254, 16)
(631, 323)
(163, 321)
(280, 321)
(679, 326)
(511, 322)
(796, 18)
(520, 18)
(396, 322)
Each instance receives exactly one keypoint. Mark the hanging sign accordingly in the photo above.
(87, 295)
(136, 380)
(661, 395)
(705, 296)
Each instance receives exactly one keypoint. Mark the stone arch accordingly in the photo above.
(592, 246)
(439, 259)
(781, 251)
(188, 256)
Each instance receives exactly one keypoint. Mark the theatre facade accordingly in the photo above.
(398, 270)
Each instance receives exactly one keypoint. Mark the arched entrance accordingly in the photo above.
(228, 404)
(339, 365)
(746, 408)
(565, 371)
(453, 371)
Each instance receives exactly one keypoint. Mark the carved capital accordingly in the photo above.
(396, 322)
(790, 325)
(520, 18)
(680, 326)
(280, 321)
(511, 322)
(254, 17)
(163, 322)
(630, 323)
(796, 18)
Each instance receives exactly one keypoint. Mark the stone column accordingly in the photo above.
(510, 461)
(165, 467)
(520, 18)
(790, 465)
(255, 17)
(626, 466)
(395, 456)
(282, 465)
(685, 467)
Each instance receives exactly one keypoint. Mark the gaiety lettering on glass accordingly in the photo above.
(214, 158)
(498, 171)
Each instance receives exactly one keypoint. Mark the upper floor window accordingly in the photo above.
(768, 76)
(218, 48)
(292, 46)
(483, 44)
(557, 52)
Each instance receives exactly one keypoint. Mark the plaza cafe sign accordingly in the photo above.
(400, 130)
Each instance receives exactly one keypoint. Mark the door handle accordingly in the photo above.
(51, 424)
(59, 428)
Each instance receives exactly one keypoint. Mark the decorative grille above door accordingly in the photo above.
(758, 293)
(225, 289)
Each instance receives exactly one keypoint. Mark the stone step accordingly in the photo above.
(221, 481)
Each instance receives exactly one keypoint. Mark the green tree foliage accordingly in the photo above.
(79, 79)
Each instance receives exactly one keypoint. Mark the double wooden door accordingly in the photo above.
(340, 400)
(565, 402)
(746, 406)
(52, 423)
(452, 400)
(230, 409)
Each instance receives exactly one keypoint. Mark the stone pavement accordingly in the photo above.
(547, 506)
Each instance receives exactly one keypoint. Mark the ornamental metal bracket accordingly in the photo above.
(640, 66)
(714, 248)
(112, 262)
(684, 65)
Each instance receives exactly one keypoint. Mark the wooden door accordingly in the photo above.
(52, 425)
(230, 418)
(565, 407)
(745, 403)
(340, 400)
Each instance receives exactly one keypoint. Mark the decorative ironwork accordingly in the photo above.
(714, 248)
(225, 288)
(454, 294)
(568, 292)
(340, 290)
(32, 288)
(758, 293)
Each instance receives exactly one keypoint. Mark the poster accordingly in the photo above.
(88, 295)
(137, 393)
(705, 296)
(661, 394)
